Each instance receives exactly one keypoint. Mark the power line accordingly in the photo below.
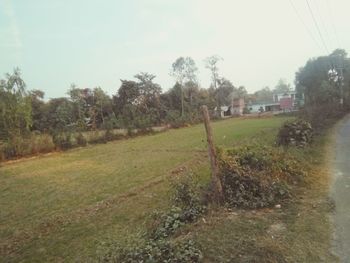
(318, 10)
(304, 24)
(317, 27)
(330, 11)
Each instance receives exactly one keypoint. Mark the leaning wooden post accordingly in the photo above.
(216, 186)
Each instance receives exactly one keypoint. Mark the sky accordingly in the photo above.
(96, 43)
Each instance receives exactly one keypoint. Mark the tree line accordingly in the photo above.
(140, 103)
(137, 104)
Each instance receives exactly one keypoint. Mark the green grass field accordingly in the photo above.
(59, 207)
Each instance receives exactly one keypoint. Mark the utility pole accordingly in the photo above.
(341, 86)
(338, 69)
(341, 80)
(216, 186)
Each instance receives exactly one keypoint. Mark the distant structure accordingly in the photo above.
(280, 102)
(235, 109)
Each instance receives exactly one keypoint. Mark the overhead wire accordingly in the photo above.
(304, 24)
(317, 27)
(320, 12)
(330, 12)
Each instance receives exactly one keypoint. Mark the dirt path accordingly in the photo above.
(341, 190)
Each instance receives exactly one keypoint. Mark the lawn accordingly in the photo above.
(59, 207)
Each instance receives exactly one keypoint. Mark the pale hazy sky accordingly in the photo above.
(97, 43)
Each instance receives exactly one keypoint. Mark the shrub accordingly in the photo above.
(109, 136)
(295, 133)
(322, 116)
(256, 177)
(156, 246)
(81, 141)
(185, 251)
(20, 147)
(63, 141)
(188, 207)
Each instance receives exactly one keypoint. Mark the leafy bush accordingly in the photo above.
(322, 116)
(156, 245)
(154, 251)
(256, 177)
(295, 133)
(81, 141)
(188, 208)
(63, 141)
(175, 120)
(20, 147)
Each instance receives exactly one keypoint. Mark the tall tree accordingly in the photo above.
(38, 109)
(211, 64)
(184, 70)
(319, 86)
(282, 87)
(15, 106)
(264, 95)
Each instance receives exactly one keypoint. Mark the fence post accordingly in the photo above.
(216, 186)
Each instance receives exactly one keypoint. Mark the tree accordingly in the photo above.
(211, 64)
(38, 109)
(82, 101)
(264, 95)
(225, 91)
(318, 85)
(102, 104)
(15, 107)
(184, 69)
(282, 87)
(59, 116)
(138, 103)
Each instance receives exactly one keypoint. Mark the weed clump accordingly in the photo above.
(81, 141)
(256, 177)
(157, 245)
(295, 133)
(188, 207)
(183, 251)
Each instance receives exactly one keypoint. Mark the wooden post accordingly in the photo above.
(216, 186)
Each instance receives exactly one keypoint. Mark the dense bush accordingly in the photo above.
(185, 251)
(63, 141)
(321, 117)
(81, 140)
(256, 177)
(20, 147)
(188, 207)
(295, 133)
(157, 246)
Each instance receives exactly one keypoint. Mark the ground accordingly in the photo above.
(341, 190)
(60, 206)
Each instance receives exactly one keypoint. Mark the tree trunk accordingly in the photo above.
(182, 101)
(216, 186)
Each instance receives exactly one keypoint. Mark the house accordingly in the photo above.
(287, 100)
(264, 107)
(235, 109)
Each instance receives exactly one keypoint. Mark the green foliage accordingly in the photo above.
(20, 147)
(321, 82)
(184, 251)
(15, 107)
(158, 247)
(323, 116)
(63, 141)
(188, 207)
(256, 177)
(81, 140)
